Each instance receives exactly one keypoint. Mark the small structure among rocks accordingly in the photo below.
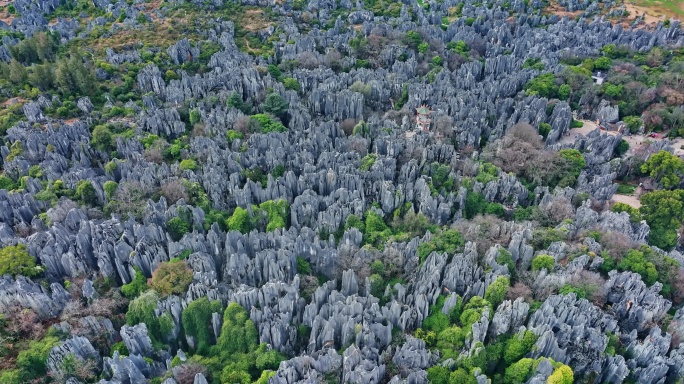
(423, 118)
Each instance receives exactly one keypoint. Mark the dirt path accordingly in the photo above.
(575, 132)
(635, 141)
(626, 199)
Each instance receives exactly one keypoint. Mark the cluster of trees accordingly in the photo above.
(522, 152)
(235, 356)
(35, 63)
(501, 359)
(647, 87)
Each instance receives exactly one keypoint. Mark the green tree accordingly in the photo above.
(543, 262)
(633, 123)
(636, 262)
(438, 375)
(33, 360)
(17, 73)
(188, 165)
(544, 129)
(665, 168)
(542, 85)
(238, 333)
(236, 102)
(518, 372)
(412, 39)
(142, 310)
(73, 77)
(564, 92)
(101, 138)
(561, 375)
(15, 260)
(240, 221)
(86, 192)
(42, 76)
(518, 346)
(109, 187)
(664, 213)
(377, 232)
(603, 63)
(177, 227)
(275, 105)
(612, 90)
(196, 320)
(496, 292)
(475, 204)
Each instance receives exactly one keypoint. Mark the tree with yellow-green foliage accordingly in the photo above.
(561, 375)
(665, 168)
(14, 260)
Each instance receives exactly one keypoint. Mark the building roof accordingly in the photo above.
(423, 110)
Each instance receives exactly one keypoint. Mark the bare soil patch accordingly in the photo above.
(632, 201)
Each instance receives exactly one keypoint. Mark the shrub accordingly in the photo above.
(448, 241)
(543, 262)
(368, 161)
(171, 278)
(544, 129)
(188, 164)
(377, 232)
(7, 183)
(576, 124)
(177, 227)
(621, 148)
(291, 84)
(15, 260)
(137, 286)
(267, 124)
(303, 266)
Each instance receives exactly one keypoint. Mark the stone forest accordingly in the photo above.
(338, 191)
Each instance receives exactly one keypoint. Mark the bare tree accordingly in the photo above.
(347, 126)
(557, 210)
(173, 191)
(444, 125)
(308, 60)
(519, 290)
(185, 373)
